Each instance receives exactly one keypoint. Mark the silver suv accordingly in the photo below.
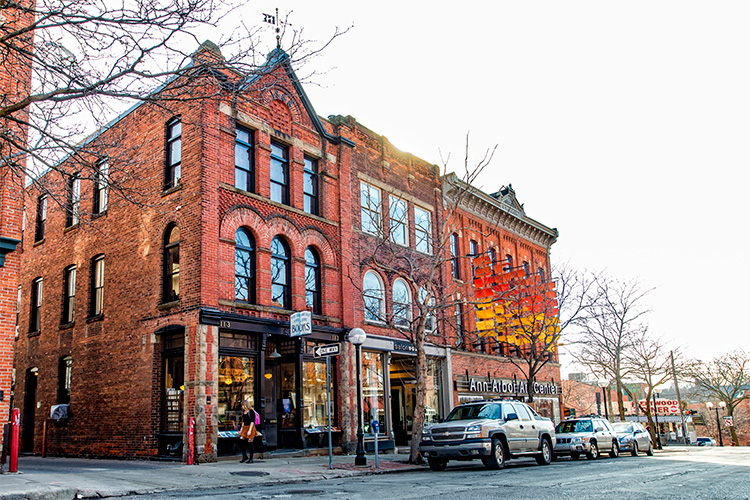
(494, 431)
(586, 435)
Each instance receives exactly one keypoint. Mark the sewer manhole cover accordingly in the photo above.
(252, 473)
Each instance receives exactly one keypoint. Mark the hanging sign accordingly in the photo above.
(300, 323)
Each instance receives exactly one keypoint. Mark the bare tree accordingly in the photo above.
(90, 60)
(528, 313)
(422, 312)
(726, 379)
(611, 327)
(649, 360)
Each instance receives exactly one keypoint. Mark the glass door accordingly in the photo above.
(271, 414)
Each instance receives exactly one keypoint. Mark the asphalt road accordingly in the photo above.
(718, 473)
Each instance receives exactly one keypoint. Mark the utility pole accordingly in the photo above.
(679, 400)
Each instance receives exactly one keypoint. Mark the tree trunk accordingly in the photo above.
(419, 408)
(620, 405)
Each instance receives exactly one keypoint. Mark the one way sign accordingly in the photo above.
(327, 350)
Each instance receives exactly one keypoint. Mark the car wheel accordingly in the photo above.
(496, 460)
(634, 451)
(593, 453)
(575, 456)
(437, 464)
(545, 454)
(650, 451)
(615, 451)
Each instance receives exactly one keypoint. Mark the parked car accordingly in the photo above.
(705, 441)
(586, 435)
(493, 431)
(633, 437)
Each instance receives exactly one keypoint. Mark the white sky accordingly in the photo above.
(622, 124)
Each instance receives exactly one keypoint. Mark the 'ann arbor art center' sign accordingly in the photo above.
(502, 387)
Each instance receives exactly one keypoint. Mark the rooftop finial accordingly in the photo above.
(271, 19)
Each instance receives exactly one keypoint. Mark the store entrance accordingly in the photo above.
(270, 415)
(403, 397)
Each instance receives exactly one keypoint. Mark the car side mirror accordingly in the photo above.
(511, 416)
(598, 429)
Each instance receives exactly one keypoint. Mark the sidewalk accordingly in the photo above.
(72, 478)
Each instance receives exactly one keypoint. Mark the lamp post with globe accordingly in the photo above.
(357, 337)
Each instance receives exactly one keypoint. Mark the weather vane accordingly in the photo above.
(274, 19)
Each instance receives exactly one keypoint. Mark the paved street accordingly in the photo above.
(676, 473)
(719, 473)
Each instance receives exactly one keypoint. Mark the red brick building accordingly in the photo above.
(144, 317)
(496, 225)
(15, 80)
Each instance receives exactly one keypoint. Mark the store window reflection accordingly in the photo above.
(236, 383)
(373, 407)
(315, 396)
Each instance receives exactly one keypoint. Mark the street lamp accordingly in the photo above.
(357, 337)
(722, 405)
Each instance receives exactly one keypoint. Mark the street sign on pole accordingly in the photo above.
(322, 351)
(728, 421)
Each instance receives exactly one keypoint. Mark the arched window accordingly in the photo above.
(312, 280)
(172, 263)
(281, 277)
(372, 289)
(244, 266)
(401, 304)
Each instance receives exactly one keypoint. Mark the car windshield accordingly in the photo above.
(472, 412)
(623, 427)
(570, 426)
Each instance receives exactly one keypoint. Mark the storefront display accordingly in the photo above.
(373, 390)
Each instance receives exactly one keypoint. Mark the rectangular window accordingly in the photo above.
(458, 312)
(97, 286)
(455, 264)
(315, 397)
(41, 217)
(237, 382)
(74, 200)
(101, 176)
(311, 186)
(64, 379)
(373, 401)
(279, 173)
(35, 318)
(69, 295)
(422, 230)
(244, 161)
(370, 208)
(173, 172)
(398, 220)
(18, 310)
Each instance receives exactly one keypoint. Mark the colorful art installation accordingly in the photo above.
(516, 307)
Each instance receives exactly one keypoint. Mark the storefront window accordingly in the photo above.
(315, 396)
(433, 395)
(174, 380)
(236, 383)
(373, 404)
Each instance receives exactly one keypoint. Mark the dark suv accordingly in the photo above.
(493, 431)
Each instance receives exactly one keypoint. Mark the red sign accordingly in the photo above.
(728, 422)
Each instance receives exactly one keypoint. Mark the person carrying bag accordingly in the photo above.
(248, 432)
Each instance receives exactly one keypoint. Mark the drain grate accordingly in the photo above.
(253, 473)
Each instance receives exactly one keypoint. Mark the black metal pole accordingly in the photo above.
(360, 459)
(718, 426)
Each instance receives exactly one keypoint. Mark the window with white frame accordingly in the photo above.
(428, 300)
(422, 230)
(97, 286)
(101, 178)
(74, 200)
(401, 304)
(370, 208)
(398, 220)
(372, 288)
